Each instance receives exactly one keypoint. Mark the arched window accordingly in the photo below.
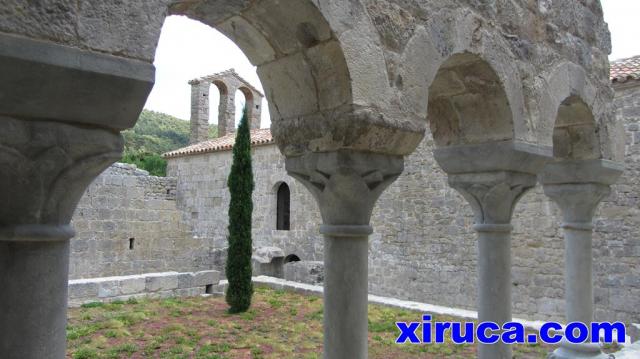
(282, 210)
(291, 258)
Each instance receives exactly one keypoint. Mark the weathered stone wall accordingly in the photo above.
(123, 203)
(423, 248)
(203, 197)
(424, 239)
(152, 285)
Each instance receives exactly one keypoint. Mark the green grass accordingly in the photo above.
(279, 325)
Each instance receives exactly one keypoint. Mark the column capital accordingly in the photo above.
(346, 185)
(578, 186)
(492, 177)
(44, 169)
(578, 202)
(492, 196)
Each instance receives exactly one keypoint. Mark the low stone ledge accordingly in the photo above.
(310, 272)
(151, 285)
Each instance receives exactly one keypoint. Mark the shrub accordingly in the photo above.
(150, 162)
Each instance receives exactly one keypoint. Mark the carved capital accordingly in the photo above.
(346, 185)
(578, 186)
(492, 195)
(578, 201)
(44, 169)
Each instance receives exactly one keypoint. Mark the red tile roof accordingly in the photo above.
(258, 137)
(625, 69)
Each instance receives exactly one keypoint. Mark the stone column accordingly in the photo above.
(492, 178)
(44, 170)
(578, 187)
(346, 185)
(199, 111)
(227, 112)
(493, 195)
(59, 129)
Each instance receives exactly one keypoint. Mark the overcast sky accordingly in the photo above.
(189, 49)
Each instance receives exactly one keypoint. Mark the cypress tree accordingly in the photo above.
(240, 184)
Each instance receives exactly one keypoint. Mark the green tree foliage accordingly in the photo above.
(151, 162)
(240, 184)
(154, 134)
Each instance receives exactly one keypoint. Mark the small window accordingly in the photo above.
(282, 210)
(131, 242)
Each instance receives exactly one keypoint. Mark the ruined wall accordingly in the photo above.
(123, 203)
(203, 197)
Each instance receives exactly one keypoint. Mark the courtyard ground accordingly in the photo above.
(279, 325)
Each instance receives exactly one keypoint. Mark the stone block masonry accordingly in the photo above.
(203, 199)
(152, 285)
(423, 247)
(127, 223)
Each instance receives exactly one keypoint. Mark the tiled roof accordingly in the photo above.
(625, 69)
(258, 137)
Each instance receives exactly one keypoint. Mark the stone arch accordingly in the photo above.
(468, 103)
(249, 102)
(291, 258)
(575, 133)
(575, 115)
(223, 101)
(222, 87)
(329, 59)
(426, 55)
(292, 45)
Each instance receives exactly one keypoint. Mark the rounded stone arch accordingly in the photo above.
(323, 71)
(293, 46)
(273, 191)
(283, 207)
(291, 258)
(223, 89)
(249, 100)
(428, 52)
(575, 132)
(571, 117)
(468, 103)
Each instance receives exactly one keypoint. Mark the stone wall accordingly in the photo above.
(424, 239)
(423, 248)
(203, 197)
(125, 203)
(152, 285)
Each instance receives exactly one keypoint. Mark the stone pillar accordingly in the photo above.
(44, 170)
(199, 111)
(59, 129)
(578, 187)
(256, 111)
(227, 112)
(346, 185)
(492, 178)
(493, 195)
